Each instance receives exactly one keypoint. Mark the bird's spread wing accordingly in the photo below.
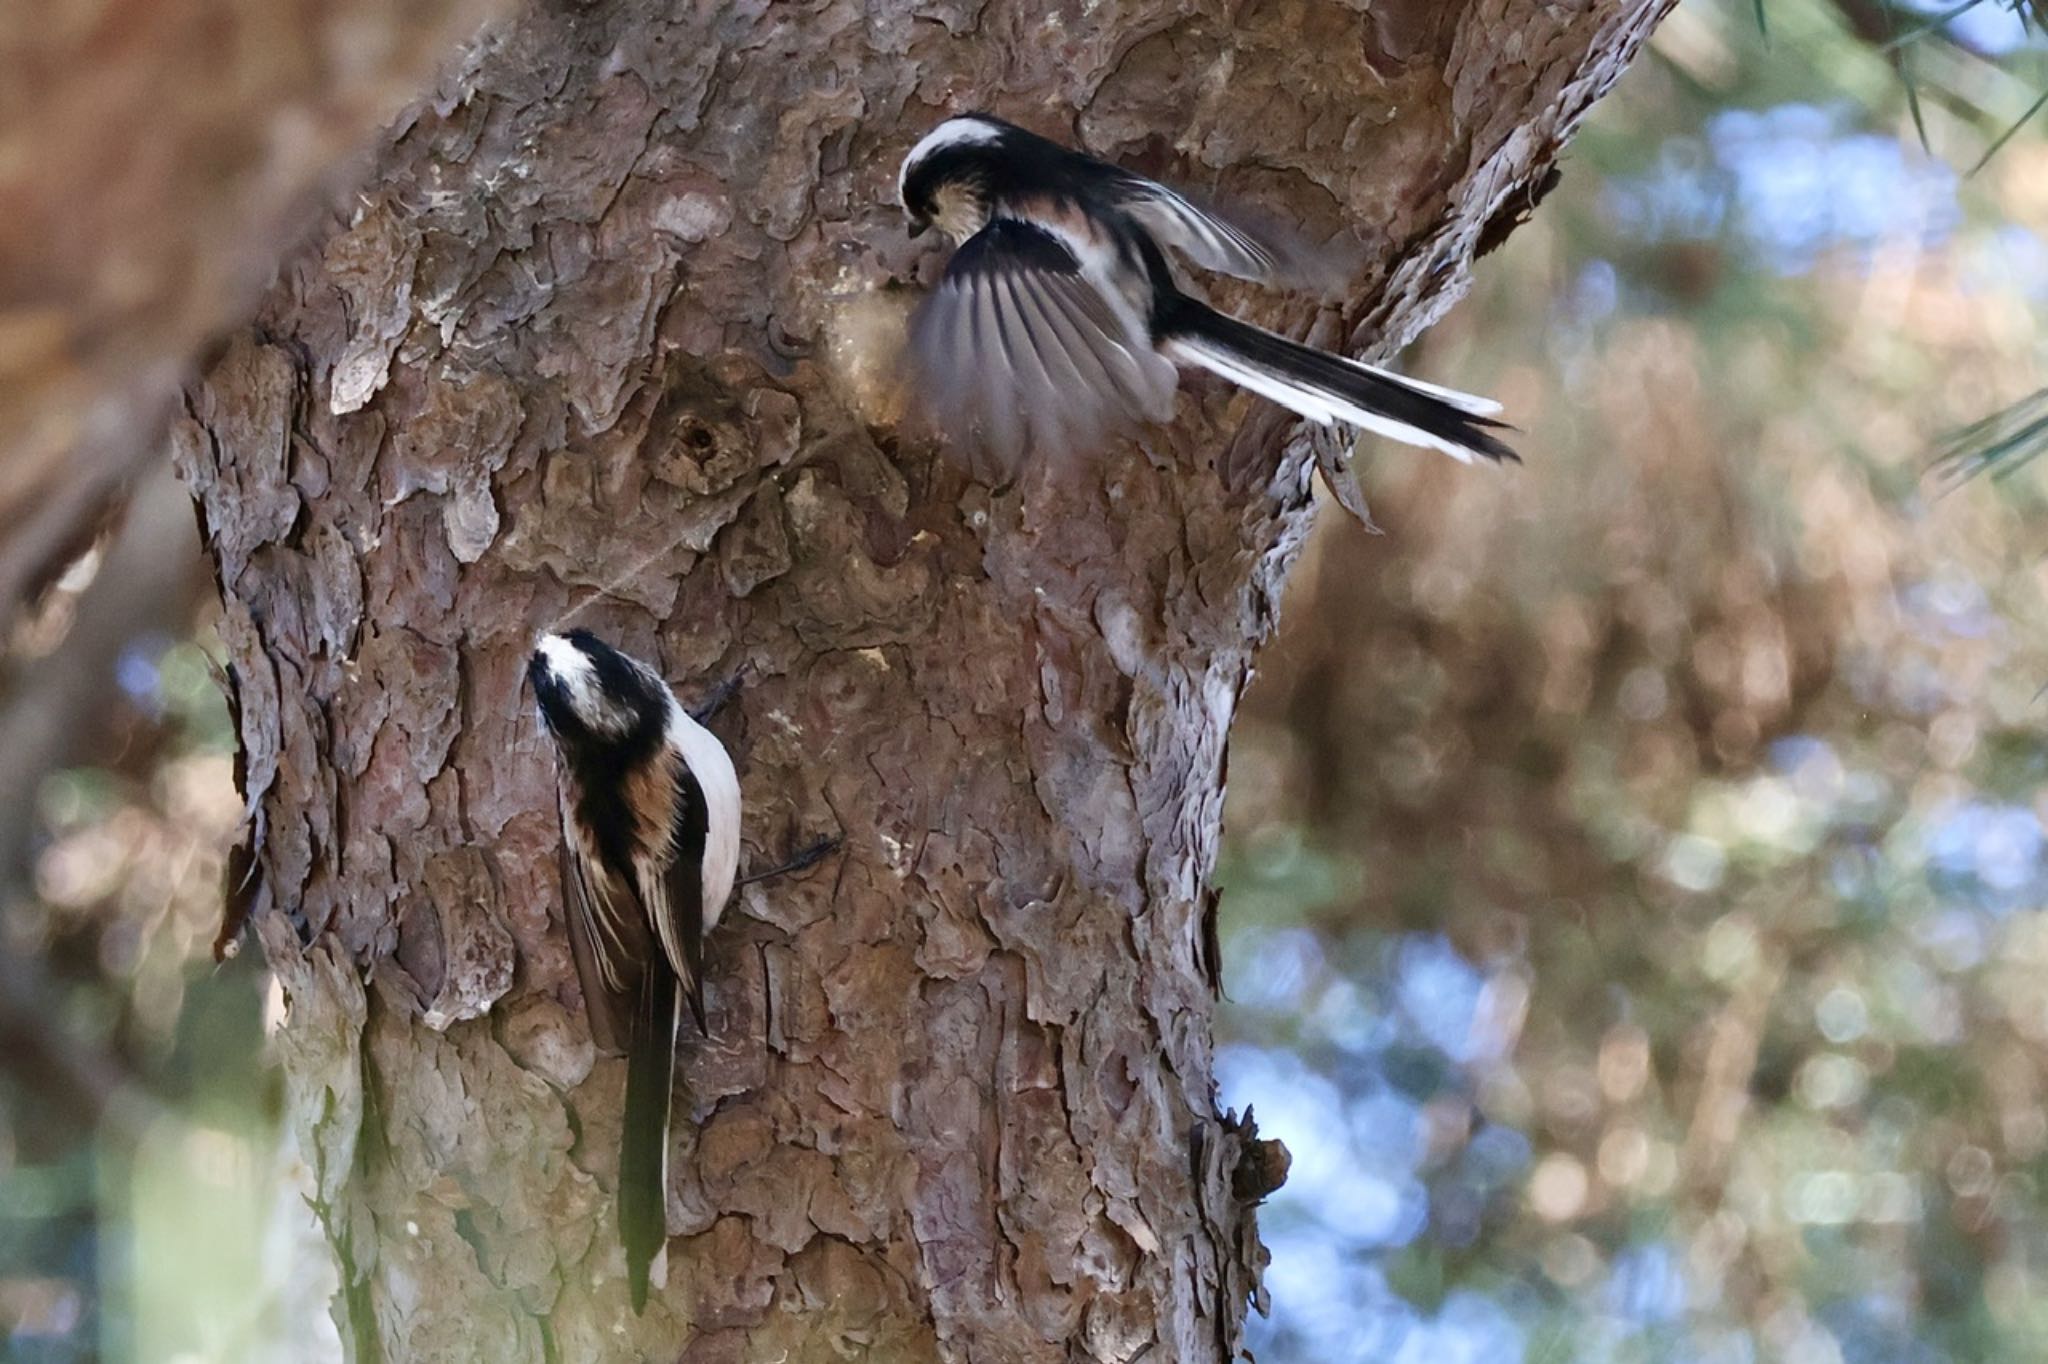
(1018, 352)
(1229, 245)
(674, 896)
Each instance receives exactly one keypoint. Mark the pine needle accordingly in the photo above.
(2000, 444)
(1932, 23)
(2022, 121)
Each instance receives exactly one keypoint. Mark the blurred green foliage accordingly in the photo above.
(147, 1213)
(1637, 884)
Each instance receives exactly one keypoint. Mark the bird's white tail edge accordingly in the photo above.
(1319, 404)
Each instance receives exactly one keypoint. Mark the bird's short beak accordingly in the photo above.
(917, 227)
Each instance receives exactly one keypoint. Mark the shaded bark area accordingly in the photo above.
(611, 334)
(156, 162)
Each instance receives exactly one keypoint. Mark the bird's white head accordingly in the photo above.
(937, 185)
(583, 684)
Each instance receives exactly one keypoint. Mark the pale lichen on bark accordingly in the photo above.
(600, 336)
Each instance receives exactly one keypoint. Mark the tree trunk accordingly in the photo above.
(610, 334)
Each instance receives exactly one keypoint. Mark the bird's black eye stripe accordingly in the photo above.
(618, 676)
(620, 680)
(552, 699)
(965, 164)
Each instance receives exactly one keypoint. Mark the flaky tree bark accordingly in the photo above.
(609, 333)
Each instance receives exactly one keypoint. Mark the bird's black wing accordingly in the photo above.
(630, 998)
(674, 891)
(674, 897)
(601, 941)
(1229, 244)
(1019, 353)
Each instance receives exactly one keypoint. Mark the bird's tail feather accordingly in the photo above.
(643, 1147)
(1327, 388)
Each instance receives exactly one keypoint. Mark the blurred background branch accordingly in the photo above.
(55, 717)
(156, 163)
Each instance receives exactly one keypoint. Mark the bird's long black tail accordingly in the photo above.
(643, 1148)
(1328, 388)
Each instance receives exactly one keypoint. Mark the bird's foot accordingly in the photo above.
(719, 696)
(809, 857)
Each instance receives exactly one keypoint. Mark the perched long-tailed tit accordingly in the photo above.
(650, 847)
(1059, 318)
